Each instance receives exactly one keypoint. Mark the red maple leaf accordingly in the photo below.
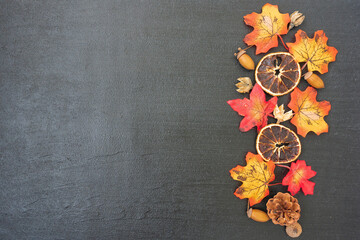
(255, 110)
(298, 177)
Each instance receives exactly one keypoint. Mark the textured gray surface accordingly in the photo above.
(114, 122)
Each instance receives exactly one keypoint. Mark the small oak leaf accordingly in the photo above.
(280, 115)
(244, 85)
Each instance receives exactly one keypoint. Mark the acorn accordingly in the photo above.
(294, 230)
(314, 80)
(244, 59)
(257, 215)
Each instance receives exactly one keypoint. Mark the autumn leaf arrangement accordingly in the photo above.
(278, 74)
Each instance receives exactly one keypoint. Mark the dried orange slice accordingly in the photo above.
(278, 143)
(278, 73)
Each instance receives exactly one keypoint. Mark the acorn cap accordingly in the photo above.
(294, 230)
(307, 75)
(249, 212)
(239, 53)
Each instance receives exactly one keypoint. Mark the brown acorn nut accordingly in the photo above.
(244, 59)
(257, 215)
(294, 230)
(314, 80)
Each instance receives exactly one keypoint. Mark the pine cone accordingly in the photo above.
(283, 209)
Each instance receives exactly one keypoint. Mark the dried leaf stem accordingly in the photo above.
(274, 184)
(304, 65)
(282, 41)
(284, 166)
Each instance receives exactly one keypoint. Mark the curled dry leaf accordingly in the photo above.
(280, 115)
(298, 177)
(255, 110)
(255, 178)
(314, 51)
(309, 114)
(244, 85)
(267, 26)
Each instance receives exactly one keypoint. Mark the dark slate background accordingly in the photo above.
(114, 122)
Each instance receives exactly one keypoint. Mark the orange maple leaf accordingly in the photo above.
(308, 113)
(255, 110)
(255, 178)
(314, 51)
(268, 25)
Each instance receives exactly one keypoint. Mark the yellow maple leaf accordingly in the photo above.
(255, 177)
(309, 114)
(268, 25)
(314, 51)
